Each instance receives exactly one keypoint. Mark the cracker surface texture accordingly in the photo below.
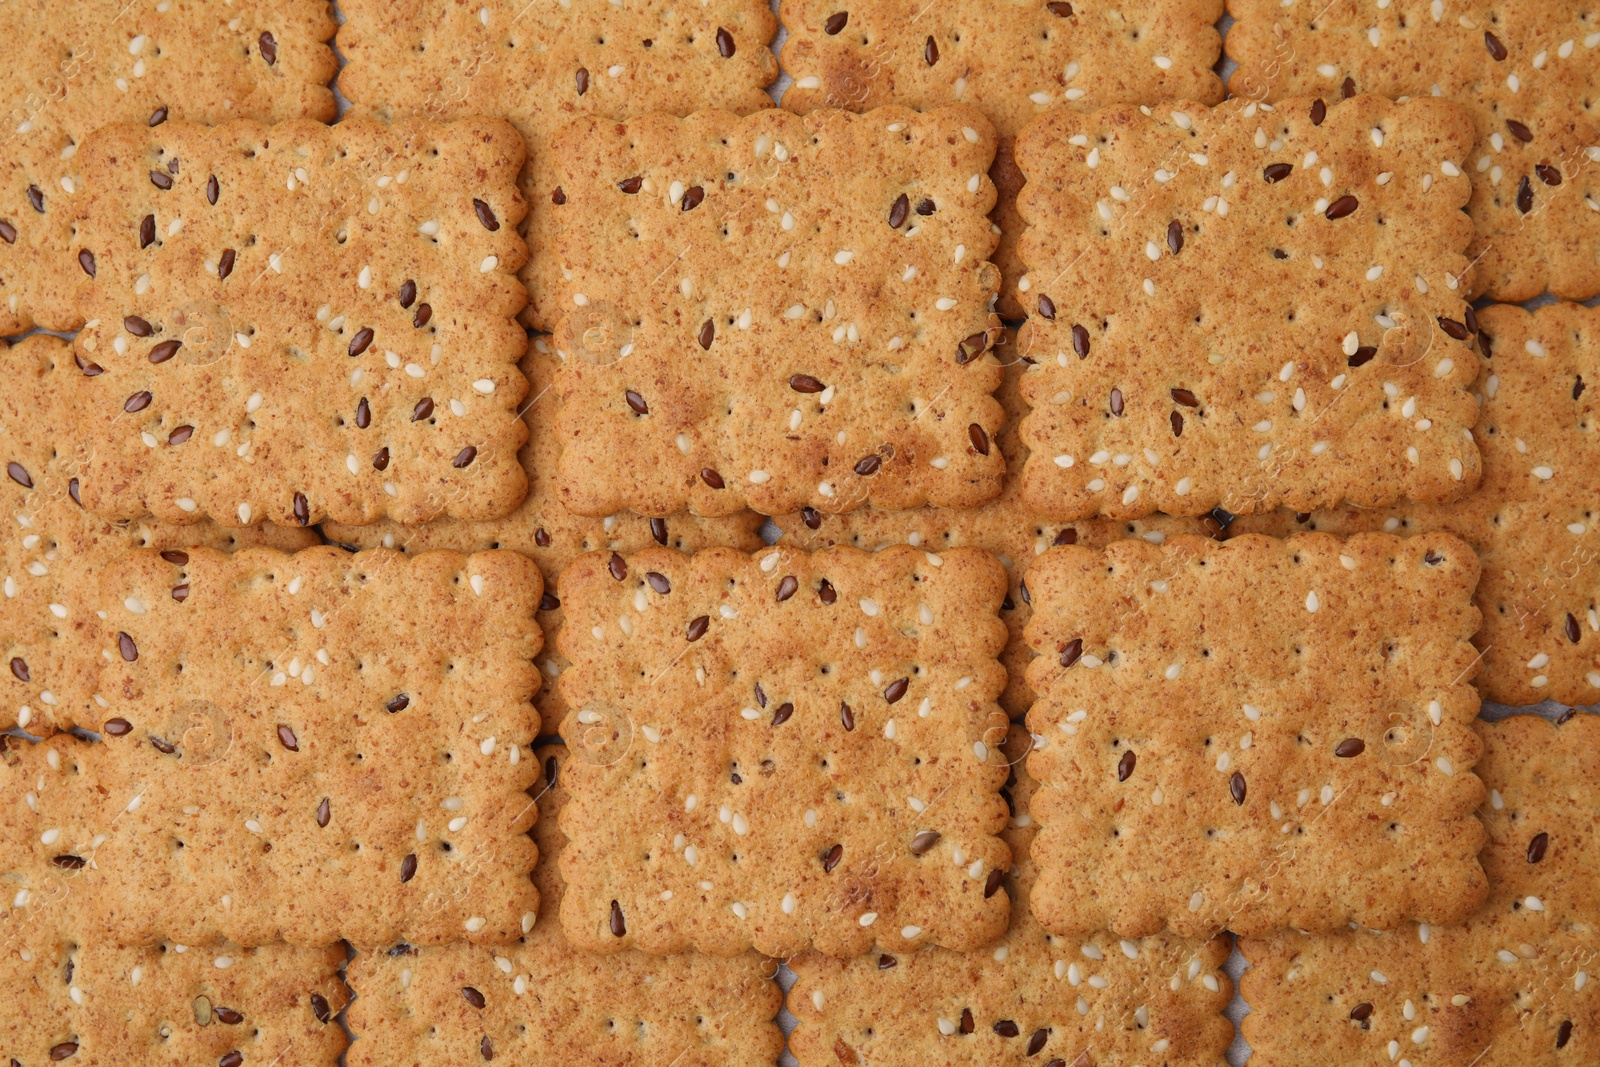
(1030, 998)
(784, 750)
(541, 65)
(1532, 519)
(1255, 734)
(312, 746)
(1244, 308)
(75, 65)
(54, 550)
(539, 1001)
(778, 311)
(1012, 61)
(1529, 75)
(301, 322)
(1513, 987)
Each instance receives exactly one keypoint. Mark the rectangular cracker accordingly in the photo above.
(1255, 734)
(54, 551)
(1010, 60)
(342, 714)
(759, 739)
(1027, 999)
(344, 316)
(1315, 369)
(1516, 986)
(544, 1003)
(543, 529)
(783, 344)
(1528, 74)
(540, 65)
(1533, 517)
(73, 66)
(1004, 526)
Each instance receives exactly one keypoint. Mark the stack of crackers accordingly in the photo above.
(571, 561)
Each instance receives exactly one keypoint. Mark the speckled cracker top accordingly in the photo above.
(1528, 72)
(70, 66)
(1247, 307)
(301, 321)
(778, 312)
(1255, 734)
(783, 750)
(309, 747)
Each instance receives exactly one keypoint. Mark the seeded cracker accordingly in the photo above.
(298, 322)
(539, 65)
(537, 1001)
(1032, 998)
(800, 318)
(1533, 518)
(1003, 526)
(1011, 60)
(54, 550)
(1517, 986)
(545, 530)
(783, 751)
(74, 65)
(1529, 75)
(343, 755)
(125, 1006)
(1255, 734)
(1246, 308)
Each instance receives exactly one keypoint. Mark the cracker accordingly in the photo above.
(1003, 526)
(73, 986)
(543, 529)
(306, 384)
(1314, 370)
(784, 344)
(73, 66)
(753, 771)
(1532, 519)
(1527, 73)
(342, 756)
(54, 550)
(1100, 999)
(1010, 60)
(1514, 987)
(545, 1003)
(1255, 734)
(540, 65)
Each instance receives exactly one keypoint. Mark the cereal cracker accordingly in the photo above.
(1255, 734)
(300, 321)
(784, 750)
(1329, 361)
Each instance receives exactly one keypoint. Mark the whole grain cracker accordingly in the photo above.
(783, 750)
(339, 741)
(70, 67)
(1010, 60)
(1527, 73)
(1328, 362)
(1032, 998)
(538, 1001)
(1004, 526)
(1255, 734)
(543, 529)
(540, 65)
(54, 551)
(300, 321)
(778, 311)
(1533, 518)
(1515, 986)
